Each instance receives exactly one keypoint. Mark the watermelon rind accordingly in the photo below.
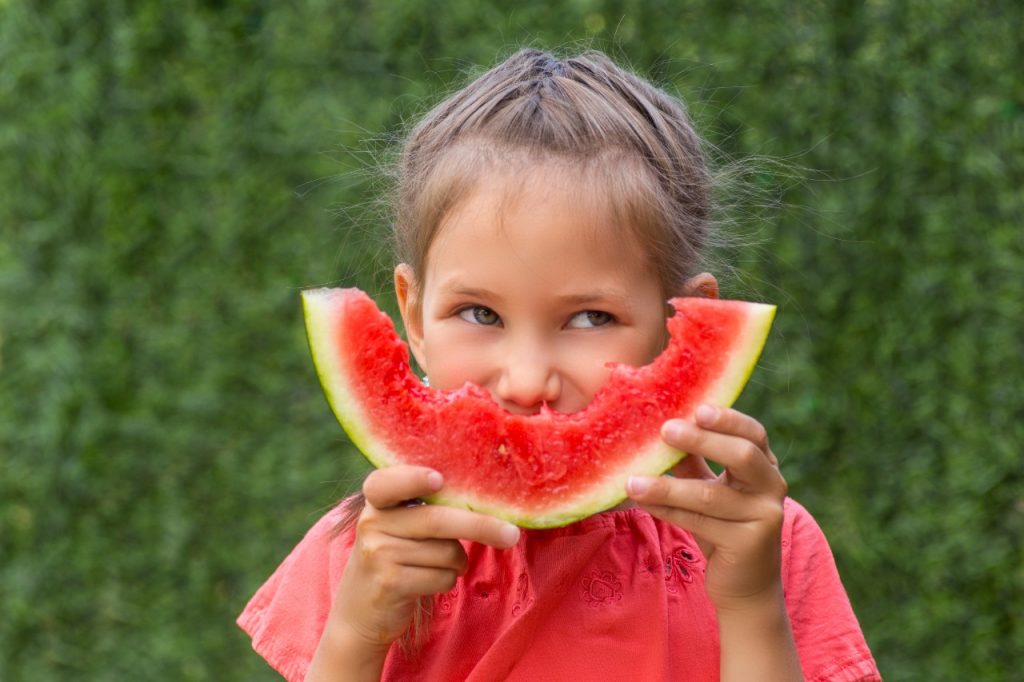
(319, 306)
(324, 313)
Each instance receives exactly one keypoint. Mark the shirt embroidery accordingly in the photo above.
(445, 601)
(679, 566)
(523, 598)
(601, 588)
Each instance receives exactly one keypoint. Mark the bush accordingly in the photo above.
(175, 173)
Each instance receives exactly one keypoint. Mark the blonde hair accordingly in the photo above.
(616, 130)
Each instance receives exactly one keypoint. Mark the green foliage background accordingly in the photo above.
(171, 174)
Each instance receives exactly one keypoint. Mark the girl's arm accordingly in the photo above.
(401, 553)
(737, 520)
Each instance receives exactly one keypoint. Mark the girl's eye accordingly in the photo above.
(589, 318)
(480, 315)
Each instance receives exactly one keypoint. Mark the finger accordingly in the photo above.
(378, 551)
(420, 581)
(392, 486)
(448, 554)
(692, 466)
(704, 528)
(706, 498)
(732, 422)
(745, 462)
(714, 534)
(438, 521)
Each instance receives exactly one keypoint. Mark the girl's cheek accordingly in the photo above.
(452, 361)
(581, 378)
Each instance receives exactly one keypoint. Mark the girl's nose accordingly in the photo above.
(527, 381)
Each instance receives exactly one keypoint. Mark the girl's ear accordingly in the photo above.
(409, 305)
(703, 285)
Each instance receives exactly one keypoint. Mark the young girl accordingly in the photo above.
(544, 215)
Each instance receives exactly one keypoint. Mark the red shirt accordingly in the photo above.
(617, 596)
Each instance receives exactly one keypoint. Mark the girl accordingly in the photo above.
(544, 215)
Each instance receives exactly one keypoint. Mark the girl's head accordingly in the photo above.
(544, 214)
(621, 136)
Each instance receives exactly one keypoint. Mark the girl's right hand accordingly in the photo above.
(404, 551)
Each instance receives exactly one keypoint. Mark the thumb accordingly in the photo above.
(692, 466)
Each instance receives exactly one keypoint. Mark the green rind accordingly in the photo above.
(655, 459)
(349, 412)
(759, 323)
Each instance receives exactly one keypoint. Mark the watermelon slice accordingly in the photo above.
(537, 471)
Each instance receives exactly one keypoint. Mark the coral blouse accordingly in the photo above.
(617, 596)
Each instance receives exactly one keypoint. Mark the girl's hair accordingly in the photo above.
(628, 142)
(619, 133)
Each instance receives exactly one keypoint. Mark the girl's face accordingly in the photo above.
(529, 292)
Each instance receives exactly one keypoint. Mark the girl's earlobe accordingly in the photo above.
(703, 285)
(410, 307)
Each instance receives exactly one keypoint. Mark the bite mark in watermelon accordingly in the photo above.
(541, 470)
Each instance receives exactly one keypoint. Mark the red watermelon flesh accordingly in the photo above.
(542, 470)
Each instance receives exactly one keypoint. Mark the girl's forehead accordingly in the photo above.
(546, 224)
(507, 208)
(572, 199)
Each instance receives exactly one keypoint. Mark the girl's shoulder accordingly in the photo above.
(286, 615)
(805, 549)
(827, 633)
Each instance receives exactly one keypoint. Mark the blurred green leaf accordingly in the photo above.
(175, 173)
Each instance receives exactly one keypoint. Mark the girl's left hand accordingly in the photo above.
(736, 517)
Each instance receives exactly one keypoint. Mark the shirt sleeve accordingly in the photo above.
(286, 616)
(828, 638)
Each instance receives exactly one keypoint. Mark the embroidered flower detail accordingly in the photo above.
(523, 598)
(679, 566)
(601, 588)
(445, 601)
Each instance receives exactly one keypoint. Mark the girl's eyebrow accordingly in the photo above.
(582, 298)
(598, 296)
(457, 289)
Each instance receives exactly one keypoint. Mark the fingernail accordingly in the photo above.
(638, 485)
(672, 430)
(706, 414)
(435, 480)
(509, 534)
